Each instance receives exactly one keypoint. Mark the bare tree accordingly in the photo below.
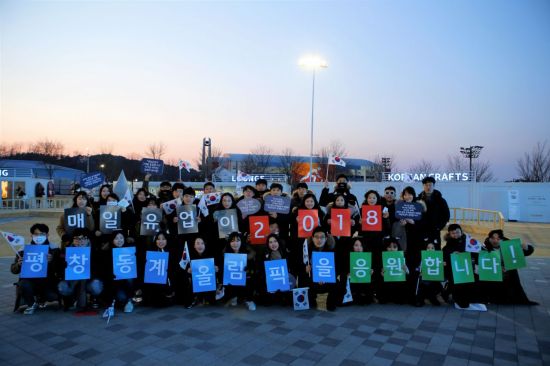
(47, 147)
(423, 166)
(249, 164)
(335, 148)
(288, 163)
(481, 168)
(106, 149)
(8, 150)
(216, 159)
(156, 151)
(535, 166)
(134, 156)
(261, 155)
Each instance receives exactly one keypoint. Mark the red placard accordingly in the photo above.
(308, 220)
(371, 219)
(340, 222)
(259, 229)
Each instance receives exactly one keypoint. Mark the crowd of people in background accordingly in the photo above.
(407, 235)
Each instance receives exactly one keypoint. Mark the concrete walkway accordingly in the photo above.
(376, 334)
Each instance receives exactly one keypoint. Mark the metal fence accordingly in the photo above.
(36, 203)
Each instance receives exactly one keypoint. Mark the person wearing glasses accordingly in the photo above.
(75, 292)
(320, 241)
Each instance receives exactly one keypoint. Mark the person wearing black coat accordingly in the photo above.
(509, 291)
(342, 186)
(437, 214)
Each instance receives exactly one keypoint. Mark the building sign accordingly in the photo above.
(439, 177)
(243, 177)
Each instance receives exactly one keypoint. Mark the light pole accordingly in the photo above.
(471, 152)
(313, 63)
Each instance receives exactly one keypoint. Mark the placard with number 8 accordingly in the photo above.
(371, 218)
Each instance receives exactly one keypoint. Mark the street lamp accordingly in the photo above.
(471, 152)
(312, 63)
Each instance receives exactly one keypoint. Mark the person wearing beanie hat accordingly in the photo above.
(165, 191)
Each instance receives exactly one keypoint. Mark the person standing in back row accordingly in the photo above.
(437, 214)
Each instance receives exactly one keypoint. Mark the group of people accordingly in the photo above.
(102, 289)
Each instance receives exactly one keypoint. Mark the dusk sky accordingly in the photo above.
(410, 79)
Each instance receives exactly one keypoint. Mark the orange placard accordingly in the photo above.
(340, 222)
(371, 219)
(259, 229)
(308, 220)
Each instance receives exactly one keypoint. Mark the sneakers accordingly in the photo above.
(129, 307)
(473, 307)
(251, 305)
(220, 293)
(232, 302)
(30, 310)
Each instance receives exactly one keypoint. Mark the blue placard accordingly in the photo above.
(35, 261)
(153, 166)
(124, 263)
(204, 275)
(234, 269)
(92, 180)
(156, 267)
(78, 263)
(276, 275)
(323, 267)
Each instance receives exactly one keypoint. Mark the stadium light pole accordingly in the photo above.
(312, 63)
(471, 152)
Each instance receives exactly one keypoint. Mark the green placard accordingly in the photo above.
(512, 253)
(432, 265)
(461, 263)
(489, 267)
(393, 266)
(360, 265)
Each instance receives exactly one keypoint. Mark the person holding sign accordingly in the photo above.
(464, 293)
(274, 250)
(428, 284)
(119, 290)
(241, 294)
(320, 242)
(393, 287)
(414, 230)
(36, 291)
(309, 202)
(283, 219)
(358, 267)
(509, 291)
(374, 222)
(340, 224)
(74, 288)
(160, 295)
(229, 224)
(199, 251)
(81, 220)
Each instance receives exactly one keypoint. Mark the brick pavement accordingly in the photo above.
(375, 334)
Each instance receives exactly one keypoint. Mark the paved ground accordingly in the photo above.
(377, 334)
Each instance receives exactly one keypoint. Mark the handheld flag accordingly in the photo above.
(347, 297)
(184, 164)
(16, 242)
(305, 253)
(300, 297)
(184, 257)
(336, 160)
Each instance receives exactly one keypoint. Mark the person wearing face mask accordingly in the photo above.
(36, 291)
(343, 187)
(165, 192)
